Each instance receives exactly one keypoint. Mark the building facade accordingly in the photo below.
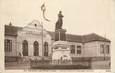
(31, 41)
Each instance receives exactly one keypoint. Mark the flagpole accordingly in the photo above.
(42, 40)
(43, 9)
(43, 32)
(105, 48)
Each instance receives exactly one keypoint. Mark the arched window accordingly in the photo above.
(25, 48)
(46, 49)
(36, 48)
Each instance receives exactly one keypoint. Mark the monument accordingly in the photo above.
(59, 32)
(61, 50)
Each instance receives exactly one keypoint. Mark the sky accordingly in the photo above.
(80, 16)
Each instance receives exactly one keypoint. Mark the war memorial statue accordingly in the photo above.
(61, 50)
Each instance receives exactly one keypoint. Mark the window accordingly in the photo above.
(72, 47)
(102, 49)
(36, 48)
(107, 49)
(8, 45)
(46, 49)
(78, 49)
(25, 48)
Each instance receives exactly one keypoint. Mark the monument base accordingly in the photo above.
(61, 53)
(60, 35)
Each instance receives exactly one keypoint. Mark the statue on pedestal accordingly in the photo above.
(59, 31)
(59, 23)
(61, 50)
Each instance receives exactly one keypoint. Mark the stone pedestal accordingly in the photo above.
(61, 53)
(60, 35)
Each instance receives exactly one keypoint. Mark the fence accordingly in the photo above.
(47, 64)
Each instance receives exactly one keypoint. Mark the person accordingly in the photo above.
(20, 56)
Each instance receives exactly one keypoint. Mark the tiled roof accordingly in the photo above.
(74, 38)
(94, 37)
(69, 37)
(82, 38)
(12, 30)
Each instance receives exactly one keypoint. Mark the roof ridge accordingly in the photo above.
(13, 26)
(89, 34)
(12, 30)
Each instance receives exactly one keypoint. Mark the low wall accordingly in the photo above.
(101, 64)
(11, 58)
(81, 62)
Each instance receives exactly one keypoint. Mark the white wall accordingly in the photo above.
(32, 34)
(92, 49)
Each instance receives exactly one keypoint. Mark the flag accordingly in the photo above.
(43, 9)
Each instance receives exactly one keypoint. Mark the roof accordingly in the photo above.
(69, 37)
(94, 37)
(12, 30)
(82, 38)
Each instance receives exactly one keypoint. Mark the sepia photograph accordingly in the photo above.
(57, 34)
